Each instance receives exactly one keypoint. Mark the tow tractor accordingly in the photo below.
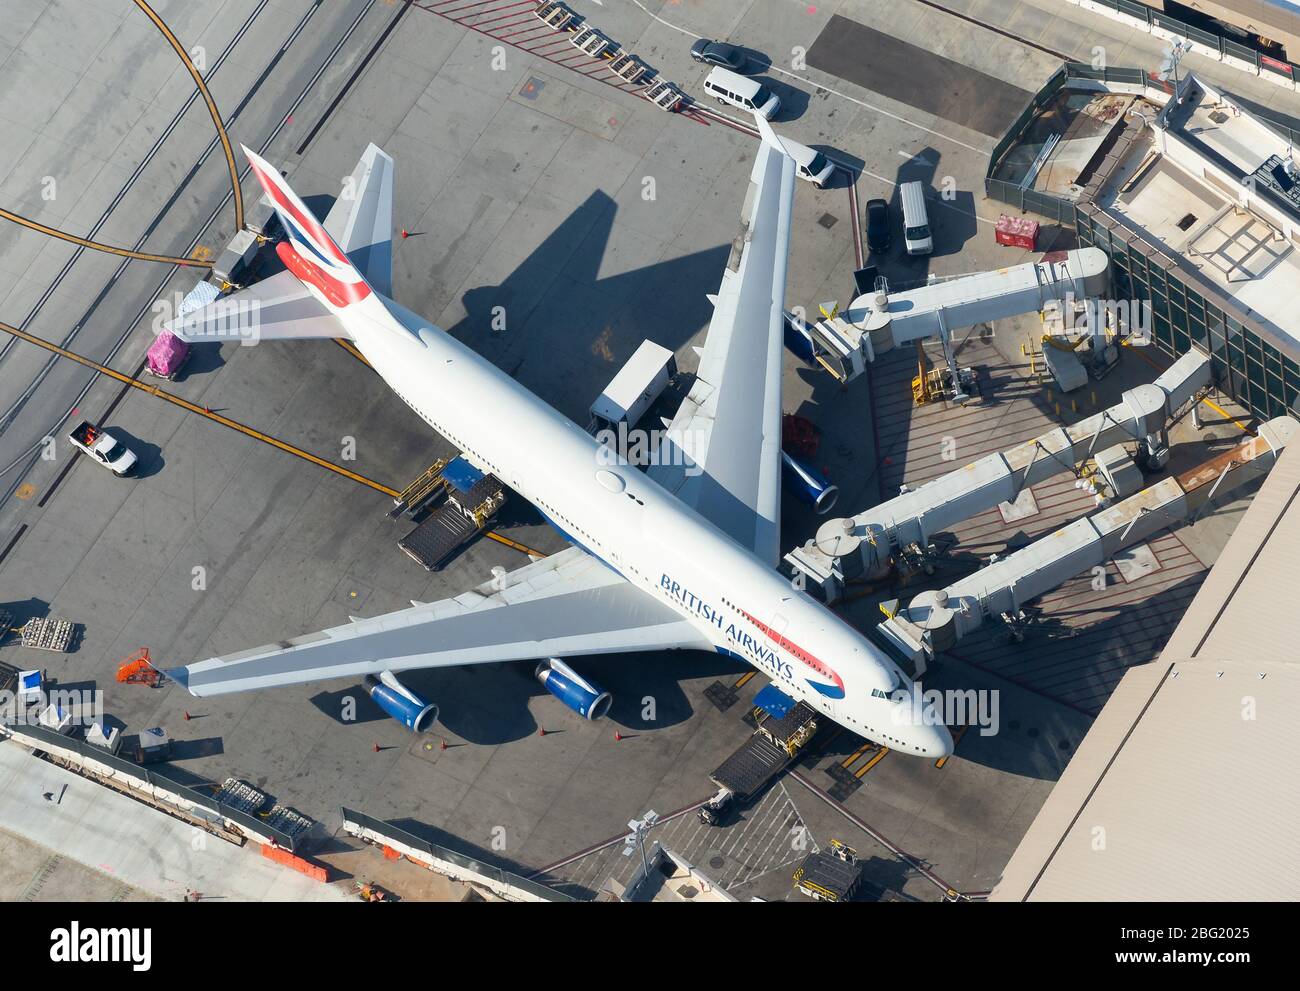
(102, 448)
(783, 728)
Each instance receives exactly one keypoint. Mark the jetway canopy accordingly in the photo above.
(937, 309)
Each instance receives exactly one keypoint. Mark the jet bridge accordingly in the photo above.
(866, 544)
(875, 322)
(936, 620)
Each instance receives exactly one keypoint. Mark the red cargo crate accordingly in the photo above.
(1017, 232)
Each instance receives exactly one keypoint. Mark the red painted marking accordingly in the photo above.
(304, 219)
(339, 293)
(797, 651)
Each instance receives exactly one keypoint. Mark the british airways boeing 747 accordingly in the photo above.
(683, 556)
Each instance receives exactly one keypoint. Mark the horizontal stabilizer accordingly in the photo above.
(278, 308)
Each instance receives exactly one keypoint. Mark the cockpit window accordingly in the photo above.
(897, 692)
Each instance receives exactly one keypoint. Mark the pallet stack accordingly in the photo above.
(48, 634)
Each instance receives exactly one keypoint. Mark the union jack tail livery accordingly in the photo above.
(331, 266)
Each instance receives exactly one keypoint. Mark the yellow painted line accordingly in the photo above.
(350, 348)
(1206, 400)
(744, 679)
(97, 246)
(1224, 413)
(522, 548)
(855, 755)
(225, 421)
(871, 763)
(212, 108)
(956, 739)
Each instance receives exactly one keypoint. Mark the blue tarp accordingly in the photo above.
(774, 702)
(461, 475)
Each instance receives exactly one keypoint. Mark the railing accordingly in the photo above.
(150, 781)
(450, 862)
(1215, 42)
(1055, 207)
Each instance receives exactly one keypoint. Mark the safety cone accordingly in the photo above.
(376, 746)
(443, 745)
(541, 731)
(617, 735)
(187, 715)
(405, 233)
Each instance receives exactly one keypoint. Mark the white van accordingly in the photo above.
(812, 165)
(733, 88)
(916, 223)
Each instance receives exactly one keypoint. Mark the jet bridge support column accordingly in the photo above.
(936, 620)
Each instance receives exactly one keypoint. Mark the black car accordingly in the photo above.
(878, 238)
(720, 53)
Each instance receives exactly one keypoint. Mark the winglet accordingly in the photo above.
(768, 135)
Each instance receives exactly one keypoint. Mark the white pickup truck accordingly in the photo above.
(103, 449)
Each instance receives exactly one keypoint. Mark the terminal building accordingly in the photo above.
(1196, 202)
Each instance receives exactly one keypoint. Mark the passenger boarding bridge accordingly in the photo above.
(936, 620)
(875, 322)
(867, 544)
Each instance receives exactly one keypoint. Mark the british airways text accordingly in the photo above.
(753, 647)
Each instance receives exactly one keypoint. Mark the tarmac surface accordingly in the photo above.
(594, 221)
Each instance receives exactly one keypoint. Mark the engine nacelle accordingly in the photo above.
(808, 484)
(400, 702)
(799, 341)
(587, 699)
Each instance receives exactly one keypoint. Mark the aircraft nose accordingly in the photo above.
(940, 743)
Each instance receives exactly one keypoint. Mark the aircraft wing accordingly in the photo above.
(722, 452)
(361, 220)
(564, 605)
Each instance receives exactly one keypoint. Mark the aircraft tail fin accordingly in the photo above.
(310, 253)
(361, 220)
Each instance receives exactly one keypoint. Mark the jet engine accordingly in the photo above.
(808, 484)
(582, 696)
(400, 702)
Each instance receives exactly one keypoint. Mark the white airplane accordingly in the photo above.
(682, 557)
